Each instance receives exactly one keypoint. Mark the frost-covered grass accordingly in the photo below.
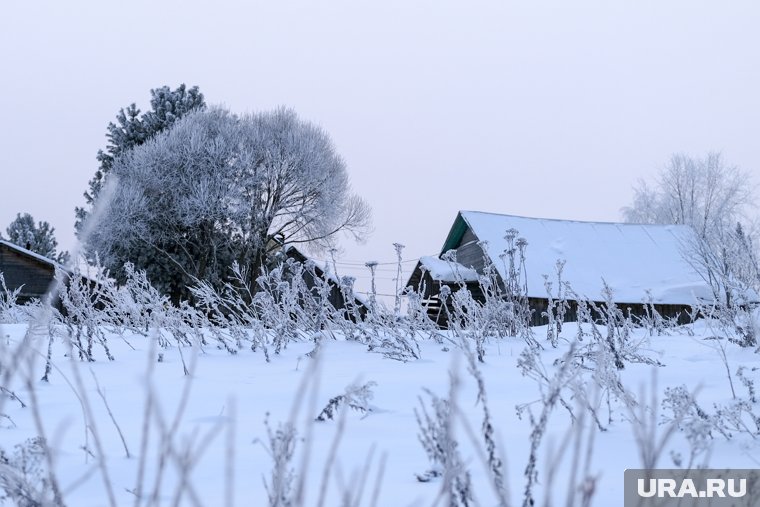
(207, 438)
(275, 397)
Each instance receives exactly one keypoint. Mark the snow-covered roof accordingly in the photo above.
(447, 271)
(631, 258)
(33, 255)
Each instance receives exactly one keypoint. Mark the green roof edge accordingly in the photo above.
(456, 232)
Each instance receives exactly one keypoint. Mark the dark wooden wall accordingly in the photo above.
(538, 306)
(469, 253)
(635, 310)
(33, 276)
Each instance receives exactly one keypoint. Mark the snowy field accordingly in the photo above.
(201, 438)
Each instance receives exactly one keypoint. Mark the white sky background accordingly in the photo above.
(549, 109)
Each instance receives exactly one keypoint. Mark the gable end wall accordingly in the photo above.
(469, 253)
(21, 271)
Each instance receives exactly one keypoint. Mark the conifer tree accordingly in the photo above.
(133, 129)
(39, 238)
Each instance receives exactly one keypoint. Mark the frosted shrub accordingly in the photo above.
(85, 316)
(184, 325)
(736, 417)
(231, 317)
(748, 382)
(681, 409)
(746, 322)
(515, 286)
(23, 480)
(352, 313)
(94, 306)
(478, 322)
(357, 397)
(504, 310)
(738, 319)
(614, 333)
(280, 311)
(739, 415)
(617, 326)
(578, 387)
(494, 462)
(139, 305)
(281, 448)
(561, 305)
(440, 445)
(10, 312)
(553, 386)
(276, 305)
(296, 310)
(653, 322)
(470, 320)
(556, 306)
(606, 382)
(391, 338)
(433, 434)
(552, 335)
(417, 316)
(397, 301)
(284, 308)
(389, 333)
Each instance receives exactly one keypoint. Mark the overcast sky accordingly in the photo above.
(548, 109)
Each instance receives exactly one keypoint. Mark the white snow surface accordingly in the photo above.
(230, 396)
(631, 258)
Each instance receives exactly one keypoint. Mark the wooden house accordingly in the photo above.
(643, 265)
(30, 271)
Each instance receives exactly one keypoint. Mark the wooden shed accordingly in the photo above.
(641, 264)
(32, 272)
(352, 305)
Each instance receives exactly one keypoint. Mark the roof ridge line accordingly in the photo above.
(602, 222)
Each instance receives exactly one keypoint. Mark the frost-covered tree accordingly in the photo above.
(718, 201)
(705, 193)
(132, 129)
(39, 237)
(217, 188)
